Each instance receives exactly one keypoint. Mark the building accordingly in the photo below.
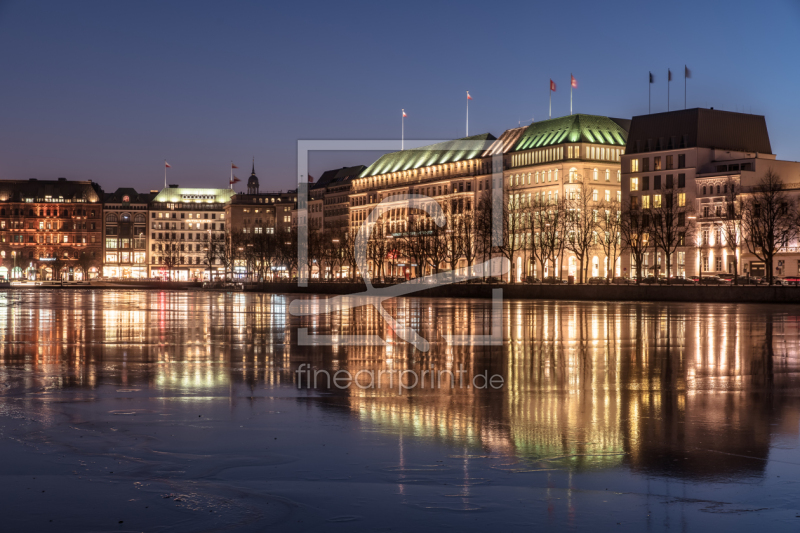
(187, 238)
(125, 251)
(50, 229)
(549, 160)
(703, 157)
(451, 172)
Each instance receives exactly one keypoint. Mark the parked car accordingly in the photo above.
(623, 281)
(532, 279)
(553, 281)
(793, 280)
(714, 280)
(597, 280)
(652, 280)
(680, 280)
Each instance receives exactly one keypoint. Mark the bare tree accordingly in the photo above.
(169, 249)
(581, 223)
(610, 229)
(670, 221)
(634, 228)
(769, 219)
(513, 228)
(731, 224)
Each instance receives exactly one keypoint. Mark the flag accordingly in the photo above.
(573, 81)
(310, 178)
(233, 166)
(235, 180)
(651, 77)
(552, 85)
(468, 96)
(686, 72)
(167, 165)
(404, 113)
(669, 75)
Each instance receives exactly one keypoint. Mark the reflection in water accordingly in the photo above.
(687, 390)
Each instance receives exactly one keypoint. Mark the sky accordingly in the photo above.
(107, 91)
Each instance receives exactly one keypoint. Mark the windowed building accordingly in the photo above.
(125, 253)
(50, 229)
(704, 159)
(186, 236)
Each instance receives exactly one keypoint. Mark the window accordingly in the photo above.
(634, 184)
(669, 162)
(608, 175)
(657, 163)
(608, 196)
(645, 202)
(681, 160)
(634, 202)
(645, 183)
(669, 181)
(619, 176)
(634, 165)
(594, 175)
(594, 195)
(657, 201)
(646, 164)
(619, 196)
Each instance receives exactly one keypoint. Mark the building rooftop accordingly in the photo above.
(434, 154)
(699, 128)
(338, 176)
(43, 190)
(134, 197)
(194, 195)
(574, 129)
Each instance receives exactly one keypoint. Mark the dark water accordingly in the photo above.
(180, 411)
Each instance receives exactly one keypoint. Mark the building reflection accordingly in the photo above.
(686, 390)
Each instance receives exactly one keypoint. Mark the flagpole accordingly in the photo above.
(668, 80)
(649, 88)
(165, 173)
(570, 93)
(550, 111)
(402, 129)
(231, 180)
(684, 86)
(467, 114)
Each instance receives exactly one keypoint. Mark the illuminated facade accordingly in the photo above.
(50, 229)
(184, 225)
(705, 158)
(125, 251)
(549, 160)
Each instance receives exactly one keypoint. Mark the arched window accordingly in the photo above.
(573, 174)
(125, 217)
(140, 218)
(111, 217)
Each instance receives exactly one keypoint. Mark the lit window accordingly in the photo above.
(608, 195)
(634, 184)
(645, 202)
(681, 199)
(657, 201)
(594, 175)
(634, 165)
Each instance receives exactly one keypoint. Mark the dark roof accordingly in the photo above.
(135, 197)
(506, 142)
(573, 129)
(18, 190)
(338, 176)
(699, 128)
(434, 154)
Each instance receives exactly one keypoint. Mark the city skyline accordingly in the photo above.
(108, 102)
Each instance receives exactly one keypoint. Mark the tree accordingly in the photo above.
(731, 224)
(634, 227)
(87, 260)
(513, 222)
(378, 247)
(551, 223)
(610, 229)
(169, 250)
(581, 223)
(670, 221)
(483, 220)
(769, 219)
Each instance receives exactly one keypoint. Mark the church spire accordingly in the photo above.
(253, 173)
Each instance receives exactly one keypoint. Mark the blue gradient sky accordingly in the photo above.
(106, 90)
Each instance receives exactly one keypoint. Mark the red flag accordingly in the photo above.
(310, 178)
(233, 166)
(552, 85)
(468, 96)
(167, 165)
(573, 81)
(404, 113)
(235, 180)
